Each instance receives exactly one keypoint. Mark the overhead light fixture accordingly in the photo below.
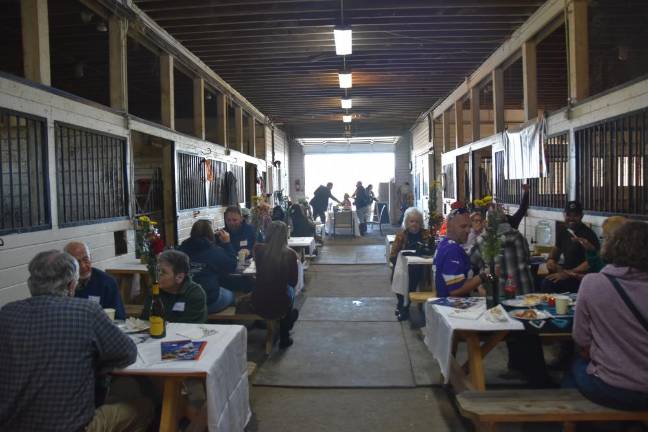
(343, 38)
(346, 118)
(86, 17)
(346, 103)
(101, 27)
(345, 79)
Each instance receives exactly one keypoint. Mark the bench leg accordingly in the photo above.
(486, 427)
(569, 427)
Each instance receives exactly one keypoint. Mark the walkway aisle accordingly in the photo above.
(353, 367)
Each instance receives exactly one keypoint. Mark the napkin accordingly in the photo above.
(473, 313)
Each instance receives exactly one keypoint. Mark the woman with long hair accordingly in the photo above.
(277, 274)
(302, 226)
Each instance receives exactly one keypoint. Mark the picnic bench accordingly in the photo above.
(486, 409)
(420, 297)
(230, 314)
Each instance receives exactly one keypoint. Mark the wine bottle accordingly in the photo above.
(156, 314)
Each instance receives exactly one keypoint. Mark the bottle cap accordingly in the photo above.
(155, 289)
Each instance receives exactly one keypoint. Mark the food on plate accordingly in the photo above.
(526, 314)
(533, 299)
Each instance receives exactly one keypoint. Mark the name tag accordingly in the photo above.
(95, 299)
(243, 243)
(179, 307)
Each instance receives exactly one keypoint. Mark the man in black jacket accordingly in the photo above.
(320, 201)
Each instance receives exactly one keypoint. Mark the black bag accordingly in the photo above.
(278, 214)
(627, 301)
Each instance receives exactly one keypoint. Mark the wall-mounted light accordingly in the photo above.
(343, 37)
(79, 70)
(101, 27)
(86, 17)
(346, 118)
(346, 103)
(345, 79)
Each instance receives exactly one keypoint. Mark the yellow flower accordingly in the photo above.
(144, 219)
(153, 223)
(487, 199)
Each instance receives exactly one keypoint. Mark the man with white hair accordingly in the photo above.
(94, 284)
(54, 348)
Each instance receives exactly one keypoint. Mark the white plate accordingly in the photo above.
(520, 303)
(133, 325)
(540, 315)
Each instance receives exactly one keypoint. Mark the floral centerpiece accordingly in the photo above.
(148, 244)
(260, 216)
(435, 219)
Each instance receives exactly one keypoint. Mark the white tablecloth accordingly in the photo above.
(303, 242)
(400, 281)
(439, 329)
(356, 224)
(225, 362)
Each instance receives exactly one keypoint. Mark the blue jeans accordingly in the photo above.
(225, 300)
(596, 390)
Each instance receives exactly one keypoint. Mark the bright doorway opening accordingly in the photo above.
(345, 169)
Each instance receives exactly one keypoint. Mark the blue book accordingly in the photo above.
(182, 349)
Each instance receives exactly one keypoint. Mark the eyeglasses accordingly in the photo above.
(458, 211)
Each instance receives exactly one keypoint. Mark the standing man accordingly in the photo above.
(451, 262)
(362, 203)
(320, 200)
(54, 346)
(94, 284)
(563, 276)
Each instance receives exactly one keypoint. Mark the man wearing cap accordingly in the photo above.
(574, 261)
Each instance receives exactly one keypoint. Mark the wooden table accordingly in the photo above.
(227, 390)
(302, 244)
(443, 333)
(125, 271)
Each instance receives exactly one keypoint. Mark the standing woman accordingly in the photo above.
(409, 238)
(277, 275)
(362, 203)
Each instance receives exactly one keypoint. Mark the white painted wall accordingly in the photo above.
(297, 171)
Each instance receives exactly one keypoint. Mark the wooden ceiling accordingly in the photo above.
(280, 54)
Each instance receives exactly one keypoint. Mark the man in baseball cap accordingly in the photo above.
(564, 277)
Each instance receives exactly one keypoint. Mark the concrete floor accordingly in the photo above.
(348, 340)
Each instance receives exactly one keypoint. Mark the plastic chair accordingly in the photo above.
(343, 219)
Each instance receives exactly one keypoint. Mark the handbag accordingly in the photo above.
(627, 301)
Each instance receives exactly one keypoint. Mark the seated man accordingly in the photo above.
(451, 262)
(184, 300)
(242, 235)
(95, 284)
(53, 348)
(562, 277)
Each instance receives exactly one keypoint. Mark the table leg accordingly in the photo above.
(170, 404)
(475, 362)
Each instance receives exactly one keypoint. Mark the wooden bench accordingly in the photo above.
(488, 408)
(230, 314)
(420, 297)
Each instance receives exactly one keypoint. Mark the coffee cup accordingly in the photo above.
(562, 305)
(111, 313)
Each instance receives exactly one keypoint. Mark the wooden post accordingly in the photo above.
(35, 36)
(530, 80)
(578, 50)
(199, 107)
(117, 40)
(474, 113)
(167, 91)
(221, 124)
(445, 118)
(498, 100)
(238, 129)
(169, 196)
(459, 136)
(252, 134)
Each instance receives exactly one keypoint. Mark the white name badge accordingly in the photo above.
(243, 243)
(179, 307)
(95, 299)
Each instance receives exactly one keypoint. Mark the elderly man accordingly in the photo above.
(53, 348)
(94, 284)
(451, 261)
(242, 236)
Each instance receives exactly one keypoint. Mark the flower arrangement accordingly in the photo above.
(490, 249)
(483, 203)
(435, 219)
(148, 244)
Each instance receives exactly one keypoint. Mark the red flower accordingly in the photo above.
(457, 204)
(157, 245)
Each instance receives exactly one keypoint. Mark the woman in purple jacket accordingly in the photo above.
(611, 324)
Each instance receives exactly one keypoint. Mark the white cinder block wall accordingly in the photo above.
(297, 172)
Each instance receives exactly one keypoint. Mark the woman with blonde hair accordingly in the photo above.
(277, 275)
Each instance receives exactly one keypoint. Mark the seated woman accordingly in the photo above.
(412, 234)
(277, 274)
(477, 227)
(611, 323)
(301, 225)
(346, 202)
(211, 263)
(183, 299)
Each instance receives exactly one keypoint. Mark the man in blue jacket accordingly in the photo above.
(242, 235)
(94, 284)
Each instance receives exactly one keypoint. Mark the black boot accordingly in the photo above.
(285, 325)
